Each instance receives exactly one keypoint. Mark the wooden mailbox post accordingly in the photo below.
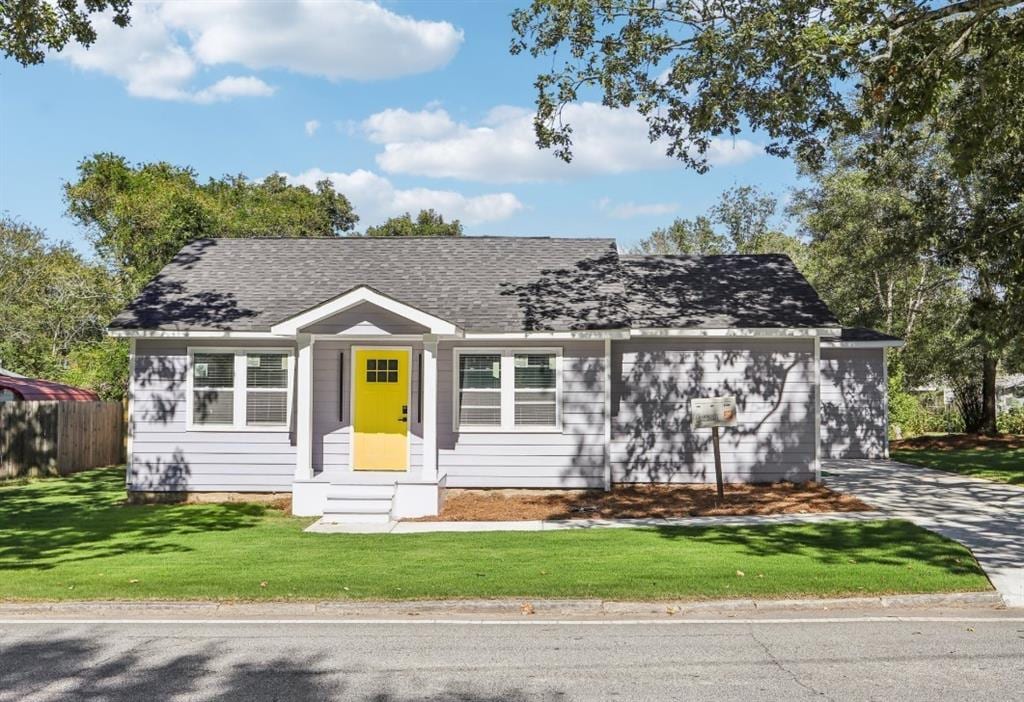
(714, 412)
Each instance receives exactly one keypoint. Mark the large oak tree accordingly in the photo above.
(800, 71)
(139, 216)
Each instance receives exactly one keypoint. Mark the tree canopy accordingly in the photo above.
(140, 215)
(742, 221)
(56, 303)
(427, 223)
(28, 28)
(800, 71)
(54, 306)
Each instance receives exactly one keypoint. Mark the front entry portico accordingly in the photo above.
(389, 401)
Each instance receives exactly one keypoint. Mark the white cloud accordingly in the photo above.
(232, 87)
(502, 147)
(351, 40)
(375, 198)
(167, 43)
(312, 126)
(401, 125)
(629, 210)
(144, 56)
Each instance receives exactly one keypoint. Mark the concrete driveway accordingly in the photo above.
(986, 517)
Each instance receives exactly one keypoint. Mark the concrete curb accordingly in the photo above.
(543, 608)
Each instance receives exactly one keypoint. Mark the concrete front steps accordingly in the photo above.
(361, 501)
(367, 498)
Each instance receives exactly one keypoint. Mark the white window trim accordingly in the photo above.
(508, 425)
(239, 389)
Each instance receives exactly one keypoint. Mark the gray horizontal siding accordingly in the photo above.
(572, 458)
(366, 320)
(853, 403)
(166, 457)
(332, 433)
(654, 380)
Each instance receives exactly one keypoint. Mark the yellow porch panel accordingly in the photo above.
(380, 426)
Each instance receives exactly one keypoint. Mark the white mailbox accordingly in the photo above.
(708, 412)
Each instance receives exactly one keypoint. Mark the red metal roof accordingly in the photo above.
(33, 389)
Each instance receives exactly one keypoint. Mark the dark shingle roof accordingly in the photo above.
(718, 292)
(498, 284)
(483, 284)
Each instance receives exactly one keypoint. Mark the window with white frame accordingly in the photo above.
(507, 389)
(213, 388)
(239, 388)
(266, 389)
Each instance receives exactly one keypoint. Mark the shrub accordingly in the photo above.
(907, 415)
(1011, 421)
(913, 414)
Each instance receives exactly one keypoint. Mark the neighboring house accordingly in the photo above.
(365, 375)
(15, 387)
(1009, 393)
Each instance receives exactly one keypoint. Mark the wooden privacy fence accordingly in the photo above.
(58, 438)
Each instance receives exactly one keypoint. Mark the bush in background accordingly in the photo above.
(911, 415)
(1011, 421)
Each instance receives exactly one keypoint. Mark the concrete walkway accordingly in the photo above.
(325, 527)
(984, 516)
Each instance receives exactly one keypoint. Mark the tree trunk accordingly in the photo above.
(988, 395)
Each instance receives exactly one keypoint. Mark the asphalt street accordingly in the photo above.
(959, 657)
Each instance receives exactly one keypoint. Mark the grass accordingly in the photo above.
(73, 538)
(999, 462)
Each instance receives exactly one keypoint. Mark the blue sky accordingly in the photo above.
(403, 105)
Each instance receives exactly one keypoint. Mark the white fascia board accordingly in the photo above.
(369, 338)
(361, 295)
(772, 333)
(595, 334)
(190, 334)
(886, 344)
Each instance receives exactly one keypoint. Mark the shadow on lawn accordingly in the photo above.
(83, 668)
(80, 517)
(889, 543)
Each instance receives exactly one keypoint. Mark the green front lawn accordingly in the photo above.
(72, 538)
(999, 462)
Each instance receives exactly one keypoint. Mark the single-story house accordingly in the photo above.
(367, 375)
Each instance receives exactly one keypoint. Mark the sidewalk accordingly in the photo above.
(325, 527)
(482, 610)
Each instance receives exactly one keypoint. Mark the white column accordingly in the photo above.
(429, 408)
(304, 408)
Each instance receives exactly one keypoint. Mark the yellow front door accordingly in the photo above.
(380, 427)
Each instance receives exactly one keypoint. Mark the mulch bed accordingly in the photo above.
(642, 501)
(951, 442)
